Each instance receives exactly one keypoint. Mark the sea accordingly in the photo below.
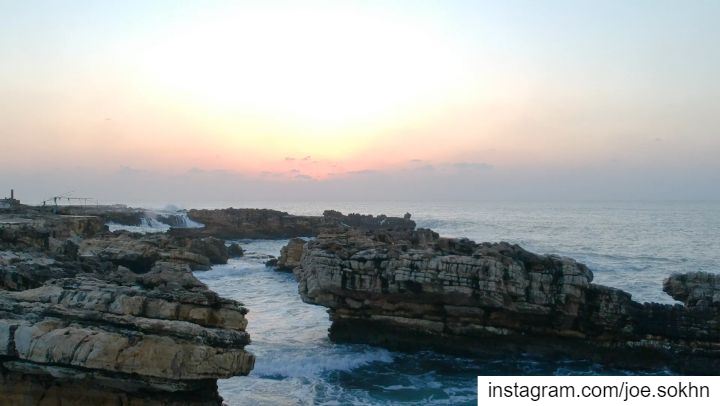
(628, 245)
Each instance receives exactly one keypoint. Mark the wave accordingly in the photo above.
(313, 362)
(147, 225)
(158, 222)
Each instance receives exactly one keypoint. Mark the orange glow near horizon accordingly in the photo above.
(309, 84)
(324, 89)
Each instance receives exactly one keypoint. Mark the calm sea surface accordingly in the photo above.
(632, 246)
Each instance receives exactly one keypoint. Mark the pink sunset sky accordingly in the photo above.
(455, 100)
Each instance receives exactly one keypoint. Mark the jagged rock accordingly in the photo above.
(271, 263)
(249, 223)
(140, 252)
(366, 222)
(22, 270)
(113, 317)
(116, 214)
(695, 289)
(213, 248)
(263, 223)
(415, 290)
(43, 232)
(235, 250)
(290, 255)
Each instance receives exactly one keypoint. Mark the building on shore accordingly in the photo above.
(9, 202)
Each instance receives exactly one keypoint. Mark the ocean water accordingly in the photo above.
(631, 246)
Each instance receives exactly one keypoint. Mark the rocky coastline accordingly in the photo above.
(90, 316)
(93, 317)
(416, 290)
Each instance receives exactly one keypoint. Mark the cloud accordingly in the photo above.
(471, 165)
(461, 180)
(363, 172)
(307, 158)
(288, 158)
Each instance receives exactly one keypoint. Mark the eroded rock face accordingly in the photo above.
(114, 317)
(273, 224)
(117, 214)
(695, 289)
(290, 255)
(367, 222)
(415, 290)
(163, 328)
(213, 248)
(139, 252)
(249, 223)
(46, 232)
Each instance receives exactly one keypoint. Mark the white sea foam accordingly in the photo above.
(147, 225)
(312, 362)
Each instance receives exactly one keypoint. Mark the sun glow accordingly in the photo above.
(321, 71)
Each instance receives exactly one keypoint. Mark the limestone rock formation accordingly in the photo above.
(117, 214)
(47, 232)
(367, 222)
(290, 255)
(273, 224)
(417, 290)
(249, 223)
(695, 289)
(91, 317)
(213, 248)
(139, 251)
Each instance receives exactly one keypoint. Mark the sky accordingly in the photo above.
(238, 100)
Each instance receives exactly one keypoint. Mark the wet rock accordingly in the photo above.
(271, 263)
(173, 220)
(235, 250)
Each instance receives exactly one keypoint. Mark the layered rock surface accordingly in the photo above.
(250, 223)
(290, 255)
(417, 290)
(139, 251)
(112, 318)
(117, 214)
(273, 224)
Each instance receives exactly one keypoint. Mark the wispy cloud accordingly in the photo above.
(471, 165)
